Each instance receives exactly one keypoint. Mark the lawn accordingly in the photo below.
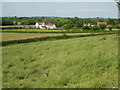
(86, 62)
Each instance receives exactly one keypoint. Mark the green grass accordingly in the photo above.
(47, 38)
(87, 62)
(52, 31)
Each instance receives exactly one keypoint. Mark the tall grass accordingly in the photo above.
(64, 36)
(88, 62)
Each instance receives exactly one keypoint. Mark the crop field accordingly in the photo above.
(34, 30)
(54, 31)
(86, 62)
(17, 36)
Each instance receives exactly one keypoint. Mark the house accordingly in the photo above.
(42, 25)
(88, 24)
(109, 25)
(99, 23)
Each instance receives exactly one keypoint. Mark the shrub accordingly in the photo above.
(86, 27)
(102, 26)
(96, 28)
(13, 28)
(110, 28)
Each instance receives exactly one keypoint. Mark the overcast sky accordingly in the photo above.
(65, 9)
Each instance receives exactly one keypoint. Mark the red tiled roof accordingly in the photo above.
(98, 23)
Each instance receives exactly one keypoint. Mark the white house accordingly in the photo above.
(42, 25)
(88, 24)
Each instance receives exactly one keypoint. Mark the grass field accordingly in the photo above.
(54, 31)
(17, 36)
(87, 62)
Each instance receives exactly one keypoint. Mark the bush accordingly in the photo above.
(13, 28)
(110, 28)
(95, 28)
(102, 26)
(86, 27)
(64, 36)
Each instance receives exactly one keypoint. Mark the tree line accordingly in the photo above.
(65, 22)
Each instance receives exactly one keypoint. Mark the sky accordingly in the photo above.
(60, 9)
(58, 0)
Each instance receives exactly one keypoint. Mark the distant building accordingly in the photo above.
(42, 25)
(109, 25)
(99, 23)
(88, 24)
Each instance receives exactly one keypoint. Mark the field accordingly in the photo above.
(86, 62)
(54, 31)
(17, 36)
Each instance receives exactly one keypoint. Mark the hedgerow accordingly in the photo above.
(64, 36)
(50, 31)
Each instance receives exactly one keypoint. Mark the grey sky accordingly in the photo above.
(80, 9)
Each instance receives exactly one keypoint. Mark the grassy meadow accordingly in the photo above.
(19, 36)
(86, 62)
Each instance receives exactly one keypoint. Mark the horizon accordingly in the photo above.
(60, 17)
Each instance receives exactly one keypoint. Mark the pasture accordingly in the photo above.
(18, 36)
(55, 31)
(87, 62)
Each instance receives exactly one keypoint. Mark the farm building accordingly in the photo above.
(42, 25)
(99, 23)
(88, 24)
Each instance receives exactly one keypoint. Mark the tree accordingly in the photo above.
(111, 21)
(86, 27)
(78, 25)
(66, 27)
(102, 26)
(96, 27)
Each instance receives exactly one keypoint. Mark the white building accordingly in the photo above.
(88, 24)
(42, 25)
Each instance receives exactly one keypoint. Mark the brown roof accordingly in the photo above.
(109, 25)
(101, 23)
(40, 23)
(49, 24)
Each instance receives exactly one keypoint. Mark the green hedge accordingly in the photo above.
(13, 28)
(72, 31)
(6, 43)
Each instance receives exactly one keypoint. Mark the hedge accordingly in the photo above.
(6, 43)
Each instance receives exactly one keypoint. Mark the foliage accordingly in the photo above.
(58, 21)
(102, 26)
(86, 27)
(73, 30)
(66, 27)
(95, 27)
(64, 36)
(13, 28)
(110, 28)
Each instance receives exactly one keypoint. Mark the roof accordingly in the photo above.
(101, 22)
(40, 23)
(109, 25)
